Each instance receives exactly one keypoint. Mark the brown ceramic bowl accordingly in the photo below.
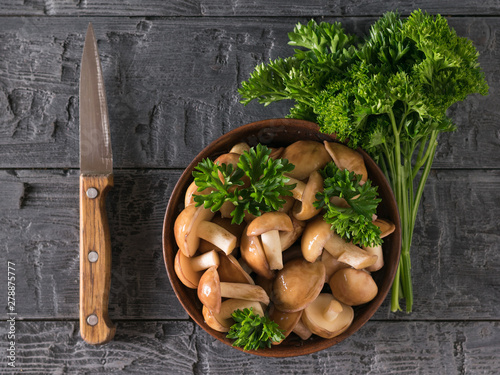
(282, 132)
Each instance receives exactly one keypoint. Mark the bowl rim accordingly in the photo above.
(181, 292)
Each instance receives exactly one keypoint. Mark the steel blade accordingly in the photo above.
(95, 140)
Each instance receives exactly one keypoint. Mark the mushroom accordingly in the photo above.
(304, 209)
(211, 291)
(189, 270)
(353, 287)
(375, 250)
(193, 190)
(302, 331)
(193, 223)
(222, 321)
(287, 239)
(347, 158)
(285, 320)
(253, 254)
(298, 284)
(239, 148)
(318, 236)
(230, 270)
(327, 317)
(332, 265)
(225, 223)
(307, 156)
(386, 227)
(268, 226)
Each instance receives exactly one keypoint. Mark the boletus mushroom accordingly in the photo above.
(211, 291)
(190, 269)
(347, 158)
(222, 321)
(327, 317)
(307, 156)
(193, 223)
(303, 208)
(268, 226)
(318, 236)
(353, 287)
(298, 284)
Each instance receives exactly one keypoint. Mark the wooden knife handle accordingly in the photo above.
(95, 260)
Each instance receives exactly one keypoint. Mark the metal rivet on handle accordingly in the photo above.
(92, 320)
(92, 193)
(93, 256)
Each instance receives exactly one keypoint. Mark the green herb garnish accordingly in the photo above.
(387, 94)
(268, 184)
(352, 223)
(252, 332)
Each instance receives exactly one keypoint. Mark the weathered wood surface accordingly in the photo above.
(172, 69)
(183, 348)
(455, 264)
(172, 87)
(224, 8)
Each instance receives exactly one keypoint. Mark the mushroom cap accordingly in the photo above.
(314, 317)
(270, 221)
(285, 320)
(347, 158)
(230, 270)
(276, 152)
(209, 292)
(307, 156)
(233, 159)
(298, 284)
(193, 190)
(185, 228)
(385, 226)
(304, 209)
(353, 287)
(185, 271)
(253, 254)
(316, 234)
(239, 148)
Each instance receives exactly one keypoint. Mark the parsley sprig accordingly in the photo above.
(352, 223)
(268, 184)
(252, 332)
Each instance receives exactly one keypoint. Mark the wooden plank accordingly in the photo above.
(172, 87)
(227, 8)
(456, 254)
(177, 347)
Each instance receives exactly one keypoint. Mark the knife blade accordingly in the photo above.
(96, 178)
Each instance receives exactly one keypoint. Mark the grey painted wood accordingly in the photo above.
(172, 88)
(456, 254)
(172, 69)
(178, 347)
(225, 8)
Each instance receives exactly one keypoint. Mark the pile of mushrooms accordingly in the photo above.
(288, 263)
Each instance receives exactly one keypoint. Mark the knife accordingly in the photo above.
(96, 178)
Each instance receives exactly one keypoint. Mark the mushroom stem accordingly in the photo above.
(244, 291)
(349, 253)
(272, 248)
(333, 309)
(204, 261)
(302, 331)
(298, 190)
(217, 236)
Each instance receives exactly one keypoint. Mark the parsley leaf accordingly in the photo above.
(268, 184)
(252, 331)
(352, 223)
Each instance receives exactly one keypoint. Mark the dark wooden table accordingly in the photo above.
(172, 69)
